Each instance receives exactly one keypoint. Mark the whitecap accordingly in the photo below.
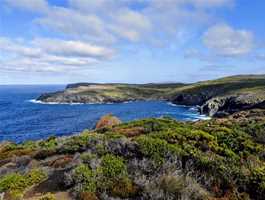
(203, 117)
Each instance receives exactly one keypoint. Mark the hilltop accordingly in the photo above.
(219, 97)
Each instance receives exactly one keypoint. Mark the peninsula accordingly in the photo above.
(219, 97)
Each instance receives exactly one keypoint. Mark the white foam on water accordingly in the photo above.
(64, 103)
(194, 108)
(52, 103)
(203, 117)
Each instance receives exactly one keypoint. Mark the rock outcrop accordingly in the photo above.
(222, 106)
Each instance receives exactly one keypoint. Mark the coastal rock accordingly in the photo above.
(107, 121)
(189, 99)
(222, 106)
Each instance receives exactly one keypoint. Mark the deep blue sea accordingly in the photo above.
(21, 119)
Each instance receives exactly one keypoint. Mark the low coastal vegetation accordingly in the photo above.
(218, 159)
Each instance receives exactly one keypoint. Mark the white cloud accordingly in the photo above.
(115, 20)
(14, 47)
(31, 5)
(73, 48)
(52, 55)
(76, 24)
(94, 28)
(226, 41)
(110, 21)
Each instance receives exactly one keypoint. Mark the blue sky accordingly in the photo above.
(134, 41)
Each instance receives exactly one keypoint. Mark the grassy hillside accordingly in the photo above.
(102, 93)
(219, 87)
(220, 159)
(226, 86)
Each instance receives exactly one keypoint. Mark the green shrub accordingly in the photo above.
(156, 148)
(112, 136)
(13, 181)
(86, 157)
(257, 181)
(113, 166)
(100, 149)
(35, 176)
(49, 144)
(85, 178)
(75, 144)
(29, 145)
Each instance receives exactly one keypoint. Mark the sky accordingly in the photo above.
(132, 41)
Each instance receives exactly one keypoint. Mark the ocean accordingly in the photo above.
(22, 118)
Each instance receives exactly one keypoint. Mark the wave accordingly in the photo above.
(64, 103)
(203, 117)
(52, 103)
(174, 105)
(184, 106)
(195, 108)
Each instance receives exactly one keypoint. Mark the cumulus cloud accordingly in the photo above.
(117, 20)
(226, 41)
(73, 48)
(94, 28)
(44, 54)
(76, 24)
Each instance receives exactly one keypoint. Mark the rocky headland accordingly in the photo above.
(216, 98)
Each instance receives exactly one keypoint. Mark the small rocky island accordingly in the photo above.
(219, 97)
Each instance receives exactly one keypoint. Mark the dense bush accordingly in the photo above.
(13, 182)
(113, 166)
(156, 148)
(84, 178)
